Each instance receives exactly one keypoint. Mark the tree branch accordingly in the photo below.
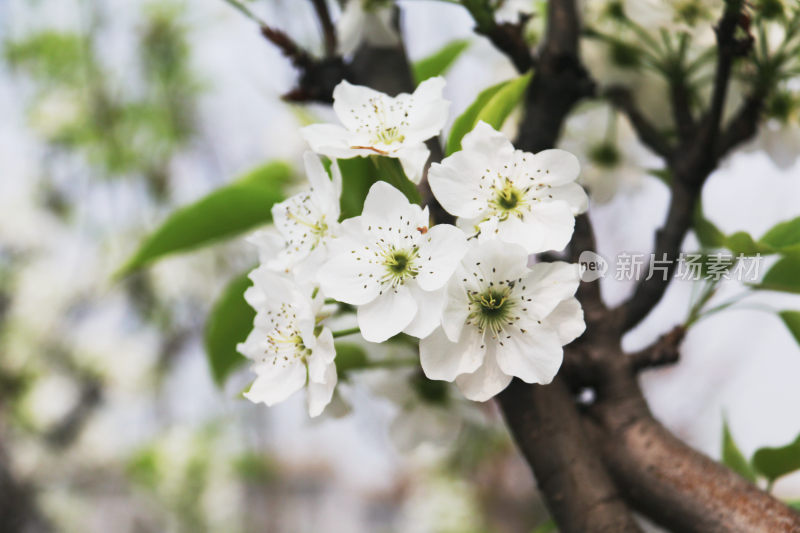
(622, 99)
(507, 37)
(328, 29)
(579, 494)
(678, 487)
(664, 351)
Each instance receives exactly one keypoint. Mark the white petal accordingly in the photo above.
(456, 309)
(387, 315)
(322, 355)
(384, 202)
(548, 284)
(574, 195)
(275, 383)
(268, 242)
(429, 311)
(441, 250)
(428, 112)
(486, 140)
(347, 279)
(351, 103)
(324, 191)
(444, 360)
(567, 320)
(413, 158)
(557, 167)
(486, 382)
(350, 27)
(319, 394)
(549, 227)
(534, 356)
(330, 140)
(455, 182)
(495, 260)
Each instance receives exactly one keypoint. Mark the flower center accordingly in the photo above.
(400, 265)
(389, 135)
(491, 309)
(604, 155)
(508, 200)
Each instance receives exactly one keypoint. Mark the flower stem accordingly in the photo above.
(345, 332)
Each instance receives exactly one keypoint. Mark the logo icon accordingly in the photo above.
(593, 266)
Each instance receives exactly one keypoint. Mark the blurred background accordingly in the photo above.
(112, 114)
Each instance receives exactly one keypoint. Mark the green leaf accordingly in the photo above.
(794, 505)
(782, 276)
(349, 357)
(391, 171)
(493, 105)
(792, 321)
(784, 237)
(742, 243)
(707, 233)
(358, 175)
(227, 211)
(732, 457)
(776, 462)
(437, 63)
(229, 322)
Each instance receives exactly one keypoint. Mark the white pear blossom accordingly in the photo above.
(392, 266)
(612, 158)
(503, 319)
(374, 123)
(525, 199)
(288, 349)
(308, 220)
(367, 21)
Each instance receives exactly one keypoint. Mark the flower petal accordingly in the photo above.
(533, 356)
(324, 190)
(352, 105)
(441, 250)
(428, 111)
(413, 158)
(387, 315)
(547, 285)
(319, 395)
(486, 140)
(487, 381)
(549, 227)
(555, 167)
(322, 355)
(349, 277)
(445, 360)
(573, 194)
(455, 182)
(275, 383)
(567, 320)
(429, 311)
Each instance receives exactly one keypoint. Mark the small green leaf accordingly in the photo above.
(792, 321)
(732, 457)
(228, 211)
(391, 171)
(707, 233)
(784, 237)
(349, 357)
(773, 463)
(439, 62)
(228, 323)
(742, 243)
(782, 276)
(358, 175)
(493, 105)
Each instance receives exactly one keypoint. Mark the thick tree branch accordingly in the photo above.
(664, 351)
(678, 487)
(576, 486)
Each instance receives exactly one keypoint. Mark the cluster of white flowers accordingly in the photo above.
(483, 316)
